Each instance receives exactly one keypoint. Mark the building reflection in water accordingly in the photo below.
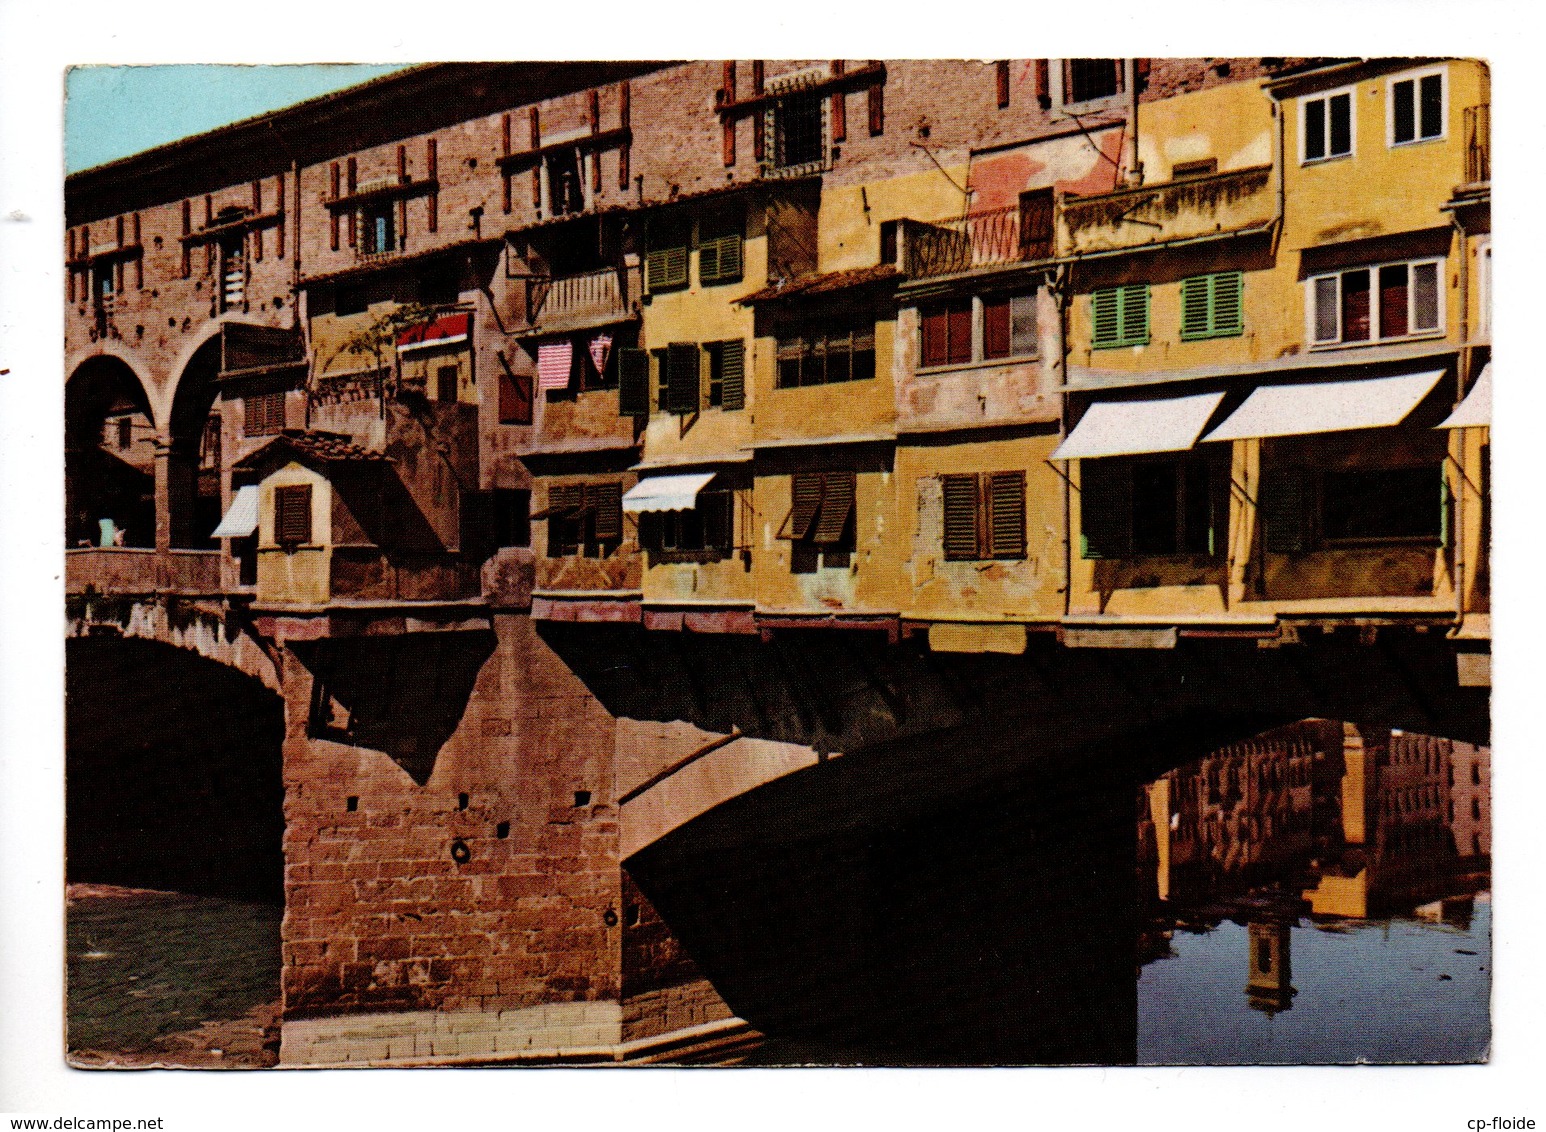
(1318, 825)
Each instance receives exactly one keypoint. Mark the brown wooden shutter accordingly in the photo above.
(432, 172)
(1006, 515)
(1001, 76)
(727, 125)
(515, 398)
(837, 502)
(935, 334)
(960, 519)
(877, 108)
(1036, 224)
(959, 319)
(1043, 84)
(139, 262)
(806, 491)
(605, 502)
(732, 374)
(534, 120)
(624, 103)
(564, 500)
(292, 514)
(759, 119)
(995, 327)
(279, 204)
(839, 106)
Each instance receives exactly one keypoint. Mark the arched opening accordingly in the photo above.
(110, 457)
(194, 467)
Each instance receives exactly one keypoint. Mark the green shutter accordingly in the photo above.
(719, 260)
(960, 522)
(732, 374)
(605, 502)
(1105, 508)
(1196, 307)
(1106, 319)
(1285, 508)
(665, 268)
(1228, 303)
(1006, 515)
(1135, 314)
(1444, 508)
(633, 383)
(683, 394)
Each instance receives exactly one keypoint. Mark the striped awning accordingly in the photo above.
(554, 360)
(242, 519)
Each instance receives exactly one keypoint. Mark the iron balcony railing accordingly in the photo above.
(978, 239)
(1478, 144)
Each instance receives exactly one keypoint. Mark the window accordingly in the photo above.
(665, 258)
(264, 414)
(125, 431)
(1037, 211)
(1137, 507)
(378, 233)
(821, 521)
(1327, 126)
(719, 247)
(1120, 316)
(1305, 507)
(946, 333)
(798, 127)
(512, 516)
(1417, 108)
(292, 514)
(633, 382)
(839, 352)
(446, 381)
(1211, 306)
(566, 183)
(679, 384)
(1008, 326)
(984, 516)
(727, 374)
(1084, 79)
(233, 272)
(703, 533)
(584, 519)
(1344, 306)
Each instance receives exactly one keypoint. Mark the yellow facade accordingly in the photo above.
(298, 575)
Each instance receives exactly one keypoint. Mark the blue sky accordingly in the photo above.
(112, 112)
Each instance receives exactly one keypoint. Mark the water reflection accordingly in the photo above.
(1317, 894)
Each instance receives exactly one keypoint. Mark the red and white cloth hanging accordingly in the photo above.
(600, 348)
(554, 360)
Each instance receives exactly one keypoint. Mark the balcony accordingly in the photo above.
(591, 298)
(1478, 144)
(142, 570)
(1240, 201)
(979, 239)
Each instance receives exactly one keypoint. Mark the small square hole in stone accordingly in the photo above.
(582, 797)
(502, 829)
(461, 801)
(351, 803)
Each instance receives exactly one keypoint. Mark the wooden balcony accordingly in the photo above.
(1239, 201)
(573, 302)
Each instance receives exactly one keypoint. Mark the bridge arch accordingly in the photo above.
(194, 456)
(206, 628)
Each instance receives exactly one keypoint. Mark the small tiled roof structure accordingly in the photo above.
(812, 285)
(312, 445)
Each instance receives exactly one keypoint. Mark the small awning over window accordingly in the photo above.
(1329, 406)
(242, 519)
(1476, 410)
(1127, 428)
(666, 493)
(446, 330)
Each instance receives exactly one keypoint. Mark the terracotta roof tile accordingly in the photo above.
(822, 284)
(324, 447)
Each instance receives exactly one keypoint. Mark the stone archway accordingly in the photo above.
(110, 456)
(195, 465)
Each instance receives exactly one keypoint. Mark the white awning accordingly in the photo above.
(242, 519)
(1328, 406)
(666, 493)
(1127, 428)
(1476, 410)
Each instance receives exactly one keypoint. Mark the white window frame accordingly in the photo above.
(1484, 288)
(1375, 337)
(1414, 78)
(1352, 124)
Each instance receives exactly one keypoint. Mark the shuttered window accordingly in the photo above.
(1393, 300)
(720, 239)
(1135, 507)
(821, 505)
(984, 516)
(605, 503)
(292, 514)
(824, 356)
(682, 391)
(805, 489)
(727, 374)
(1120, 316)
(1036, 224)
(263, 414)
(1212, 307)
(1009, 326)
(584, 519)
(1285, 508)
(515, 398)
(633, 382)
(1105, 508)
(837, 504)
(665, 260)
(947, 334)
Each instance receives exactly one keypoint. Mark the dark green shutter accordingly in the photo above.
(837, 500)
(961, 507)
(605, 502)
(732, 374)
(805, 489)
(719, 260)
(1228, 303)
(683, 394)
(1105, 508)
(1444, 508)
(1196, 303)
(1285, 508)
(1135, 314)
(1006, 515)
(633, 382)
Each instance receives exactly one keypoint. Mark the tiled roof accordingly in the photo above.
(324, 447)
(821, 284)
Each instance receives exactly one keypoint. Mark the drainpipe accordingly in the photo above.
(1462, 372)
(1135, 165)
(1060, 294)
